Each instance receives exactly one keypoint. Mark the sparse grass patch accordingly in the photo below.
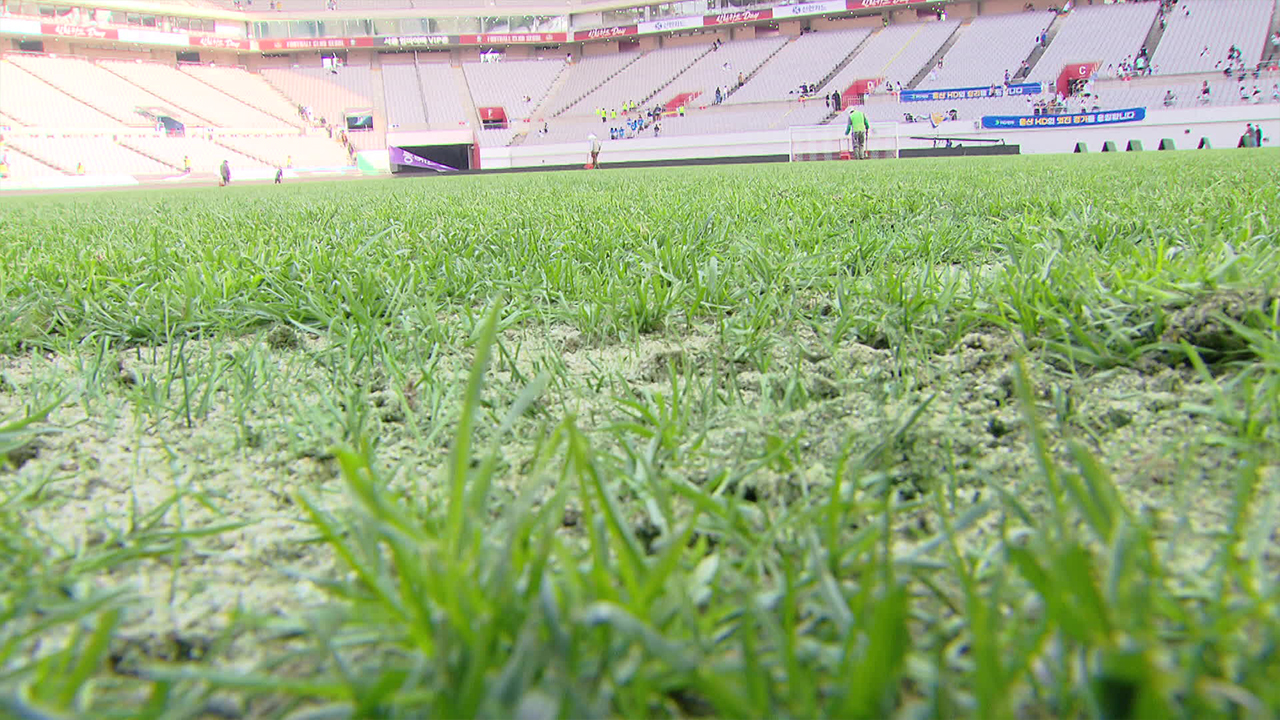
(991, 438)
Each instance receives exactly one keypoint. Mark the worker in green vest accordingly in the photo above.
(856, 129)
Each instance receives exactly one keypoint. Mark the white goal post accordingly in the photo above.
(828, 142)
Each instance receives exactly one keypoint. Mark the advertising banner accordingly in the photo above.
(606, 33)
(738, 16)
(317, 43)
(419, 40)
(512, 38)
(78, 31)
(812, 8)
(873, 4)
(400, 156)
(218, 43)
(669, 25)
(971, 92)
(1015, 122)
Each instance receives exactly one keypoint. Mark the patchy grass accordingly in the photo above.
(988, 438)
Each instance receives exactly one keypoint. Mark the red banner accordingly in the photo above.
(78, 31)
(871, 4)
(218, 43)
(510, 38)
(740, 16)
(316, 43)
(606, 33)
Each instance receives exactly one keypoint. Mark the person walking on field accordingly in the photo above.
(595, 151)
(856, 129)
(224, 173)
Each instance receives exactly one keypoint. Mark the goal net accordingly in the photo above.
(828, 142)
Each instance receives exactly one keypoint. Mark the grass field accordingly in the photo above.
(931, 439)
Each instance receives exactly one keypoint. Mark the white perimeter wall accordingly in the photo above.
(1222, 125)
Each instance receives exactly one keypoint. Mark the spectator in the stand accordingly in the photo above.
(1244, 93)
(1257, 135)
(1274, 44)
(1007, 78)
(224, 173)
(718, 96)
(186, 164)
(79, 168)
(1169, 98)
(1275, 93)
(1248, 139)
(1204, 93)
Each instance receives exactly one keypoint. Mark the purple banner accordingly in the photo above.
(400, 156)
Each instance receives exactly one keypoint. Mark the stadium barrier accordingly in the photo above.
(1167, 144)
(1081, 147)
(1109, 146)
(1133, 146)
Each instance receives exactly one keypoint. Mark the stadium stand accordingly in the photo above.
(35, 103)
(896, 53)
(205, 154)
(640, 80)
(220, 107)
(1106, 34)
(584, 76)
(807, 59)
(720, 69)
(496, 137)
(443, 94)
(986, 48)
(288, 150)
(406, 107)
(98, 155)
(1201, 32)
(22, 165)
(718, 121)
(329, 94)
(506, 84)
(249, 89)
(108, 93)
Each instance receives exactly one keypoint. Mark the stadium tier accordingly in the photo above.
(402, 90)
(35, 103)
(895, 54)
(1105, 34)
(517, 86)
(101, 89)
(719, 69)
(585, 76)
(444, 90)
(640, 80)
(221, 107)
(806, 59)
(1200, 33)
(986, 48)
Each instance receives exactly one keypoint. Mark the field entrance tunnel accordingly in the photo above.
(455, 156)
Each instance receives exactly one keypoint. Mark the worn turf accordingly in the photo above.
(988, 438)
